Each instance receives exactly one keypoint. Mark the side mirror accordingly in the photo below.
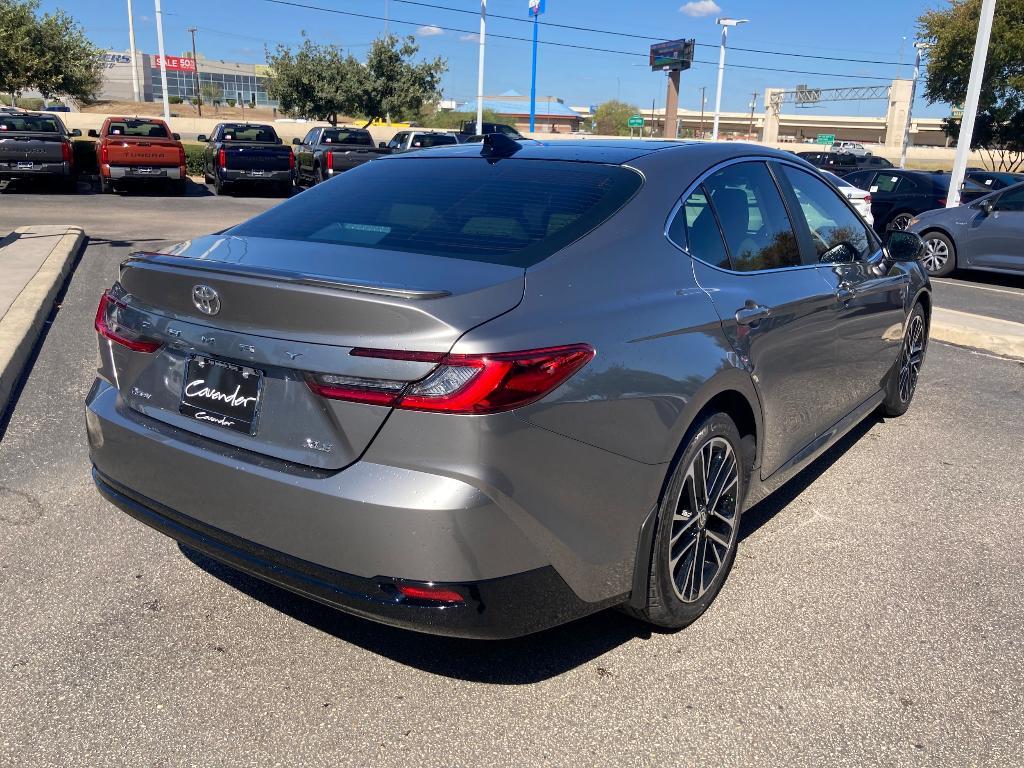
(76, 132)
(382, 145)
(278, 140)
(93, 133)
(296, 142)
(904, 246)
(201, 138)
(843, 253)
(176, 136)
(987, 206)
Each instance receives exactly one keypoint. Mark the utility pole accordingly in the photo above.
(753, 105)
(918, 47)
(725, 24)
(195, 71)
(703, 101)
(163, 58)
(963, 144)
(131, 46)
(536, 9)
(480, 72)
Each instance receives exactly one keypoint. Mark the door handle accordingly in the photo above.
(752, 313)
(844, 292)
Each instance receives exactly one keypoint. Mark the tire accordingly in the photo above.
(677, 593)
(939, 257)
(901, 383)
(900, 220)
(106, 187)
(220, 187)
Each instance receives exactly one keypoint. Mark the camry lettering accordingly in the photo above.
(197, 389)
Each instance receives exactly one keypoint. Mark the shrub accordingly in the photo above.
(194, 159)
(174, 99)
(231, 102)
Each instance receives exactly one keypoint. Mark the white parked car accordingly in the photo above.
(860, 198)
(852, 148)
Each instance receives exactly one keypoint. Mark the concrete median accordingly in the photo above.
(1000, 337)
(35, 262)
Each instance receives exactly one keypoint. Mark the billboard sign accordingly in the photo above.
(537, 7)
(672, 55)
(176, 63)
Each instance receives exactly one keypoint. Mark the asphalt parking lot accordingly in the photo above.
(873, 616)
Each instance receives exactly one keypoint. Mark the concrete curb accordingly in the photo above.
(22, 324)
(1000, 337)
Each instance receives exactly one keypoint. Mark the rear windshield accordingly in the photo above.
(257, 133)
(143, 128)
(34, 123)
(342, 136)
(511, 212)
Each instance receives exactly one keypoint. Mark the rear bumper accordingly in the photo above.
(12, 171)
(126, 173)
(232, 175)
(493, 609)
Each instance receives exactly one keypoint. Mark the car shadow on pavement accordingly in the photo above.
(520, 661)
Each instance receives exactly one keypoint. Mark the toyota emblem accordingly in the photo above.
(206, 299)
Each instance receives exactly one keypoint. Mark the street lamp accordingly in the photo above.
(724, 24)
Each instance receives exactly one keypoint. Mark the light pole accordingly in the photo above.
(963, 143)
(918, 47)
(753, 105)
(703, 103)
(131, 45)
(725, 24)
(195, 71)
(480, 72)
(163, 58)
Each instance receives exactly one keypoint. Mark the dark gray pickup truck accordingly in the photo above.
(247, 153)
(325, 152)
(36, 146)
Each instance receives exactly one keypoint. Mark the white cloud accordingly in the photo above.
(700, 8)
(430, 30)
(470, 37)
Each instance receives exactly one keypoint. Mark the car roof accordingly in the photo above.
(614, 151)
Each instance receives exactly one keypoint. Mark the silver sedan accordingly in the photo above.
(988, 234)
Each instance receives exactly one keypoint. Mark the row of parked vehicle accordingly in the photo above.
(144, 149)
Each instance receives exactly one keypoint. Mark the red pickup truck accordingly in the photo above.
(139, 149)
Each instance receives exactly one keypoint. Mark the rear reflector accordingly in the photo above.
(427, 592)
(108, 325)
(465, 384)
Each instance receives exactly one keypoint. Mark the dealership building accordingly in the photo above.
(247, 82)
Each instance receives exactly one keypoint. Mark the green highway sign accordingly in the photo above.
(826, 138)
(636, 121)
(958, 112)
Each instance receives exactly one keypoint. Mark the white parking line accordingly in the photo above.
(958, 284)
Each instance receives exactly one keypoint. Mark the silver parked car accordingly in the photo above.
(988, 234)
(489, 388)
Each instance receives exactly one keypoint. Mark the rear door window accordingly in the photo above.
(696, 229)
(512, 212)
(753, 217)
(1011, 200)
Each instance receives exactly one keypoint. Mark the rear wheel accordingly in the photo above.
(105, 185)
(900, 221)
(901, 383)
(939, 257)
(220, 187)
(698, 526)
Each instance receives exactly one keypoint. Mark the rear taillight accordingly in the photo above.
(942, 202)
(108, 324)
(66, 153)
(181, 156)
(222, 158)
(291, 161)
(867, 199)
(466, 384)
(329, 161)
(104, 154)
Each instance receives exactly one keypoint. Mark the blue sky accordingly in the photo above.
(869, 29)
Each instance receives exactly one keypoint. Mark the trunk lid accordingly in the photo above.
(283, 323)
(131, 151)
(259, 157)
(26, 147)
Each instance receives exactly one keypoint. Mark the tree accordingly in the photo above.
(950, 33)
(612, 118)
(316, 81)
(211, 93)
(392, 84)
(50, 53)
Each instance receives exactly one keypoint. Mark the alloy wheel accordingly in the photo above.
(900, 222)
(911, 358)
(704, 521)
(936, 254)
